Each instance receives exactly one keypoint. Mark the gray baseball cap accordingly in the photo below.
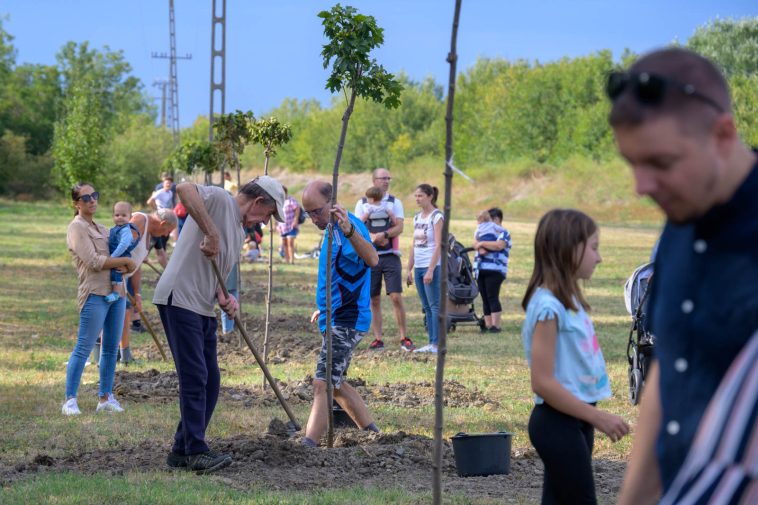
(276, 191)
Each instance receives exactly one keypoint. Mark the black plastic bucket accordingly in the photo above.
(482, 454)
(341, 418)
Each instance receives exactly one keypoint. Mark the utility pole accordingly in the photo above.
(173, 83)
(162, 83)
(218, 51)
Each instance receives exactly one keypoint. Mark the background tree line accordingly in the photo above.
(87, 117)
(84, 118)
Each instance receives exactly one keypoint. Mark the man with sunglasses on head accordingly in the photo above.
(390, 267)
(673, 122)
(186, 296)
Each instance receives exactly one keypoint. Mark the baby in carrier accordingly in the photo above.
(123, 238)
(378, 215)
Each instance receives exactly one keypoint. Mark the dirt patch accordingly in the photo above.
(152, 386)
(417, 394)
(289, 339)
(358, 458)
(395, 355)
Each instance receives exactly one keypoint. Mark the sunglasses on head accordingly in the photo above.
(95, 195)
(650, 89)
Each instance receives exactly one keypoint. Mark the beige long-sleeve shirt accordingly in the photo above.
(88, 244)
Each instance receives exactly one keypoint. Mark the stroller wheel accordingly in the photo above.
(635, 386)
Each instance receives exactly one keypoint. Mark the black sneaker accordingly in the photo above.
(175, 460)
(207, 462)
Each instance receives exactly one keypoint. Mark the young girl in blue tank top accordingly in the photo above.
(567, 367)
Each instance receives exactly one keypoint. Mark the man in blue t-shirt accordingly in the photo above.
(673, 121)
(353, 255)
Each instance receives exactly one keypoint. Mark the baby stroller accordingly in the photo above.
(461, 287)
(639, 349)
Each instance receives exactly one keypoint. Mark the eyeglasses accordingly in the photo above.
(650, 89)
(95, 195)
(382, 178)
(315, 212)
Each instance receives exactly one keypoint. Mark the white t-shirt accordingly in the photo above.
(189, 274)
(423, 238)
(164, 199)
(396, 206)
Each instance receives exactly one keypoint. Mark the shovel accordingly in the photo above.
(149, 327)
(292, 425)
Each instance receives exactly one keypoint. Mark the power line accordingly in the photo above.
(218, 50)
(173, 83)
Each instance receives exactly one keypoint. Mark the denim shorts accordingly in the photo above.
(344, 342)
(292, 233)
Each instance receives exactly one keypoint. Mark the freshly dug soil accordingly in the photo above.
(152, 386)
(358, 458)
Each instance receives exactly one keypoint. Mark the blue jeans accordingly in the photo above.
(430, 300)
(227, 323)
(96, 315)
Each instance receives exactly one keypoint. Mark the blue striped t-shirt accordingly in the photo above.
(493, 260)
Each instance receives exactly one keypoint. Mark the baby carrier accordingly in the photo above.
(639, 349)
(462, 290)
(379, 221)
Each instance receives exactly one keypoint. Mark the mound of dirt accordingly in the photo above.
(395, 355)
(416, 394)
(152, 386)
(358, 458)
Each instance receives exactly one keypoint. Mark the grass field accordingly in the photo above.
(38, 323)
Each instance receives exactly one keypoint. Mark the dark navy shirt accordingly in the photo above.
(704, 308)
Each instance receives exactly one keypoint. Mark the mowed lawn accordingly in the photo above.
(38, 324)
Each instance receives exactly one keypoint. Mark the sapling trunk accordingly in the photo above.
(439, 391)
(238, 267)
(269, 288)
(329, 248)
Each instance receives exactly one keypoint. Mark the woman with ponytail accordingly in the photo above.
(424, 260)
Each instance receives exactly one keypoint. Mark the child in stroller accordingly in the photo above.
(639, 348)
(462, 290)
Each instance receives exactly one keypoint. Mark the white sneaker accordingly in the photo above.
(428, 348)
(70, 408)
(110, 405)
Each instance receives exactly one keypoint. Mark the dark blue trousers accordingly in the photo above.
(192, 339)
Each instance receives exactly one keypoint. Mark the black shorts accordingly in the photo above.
(391, 269)
(159, 242)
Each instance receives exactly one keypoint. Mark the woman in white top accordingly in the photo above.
(424, 260)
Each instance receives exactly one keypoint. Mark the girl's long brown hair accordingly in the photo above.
(559, 233)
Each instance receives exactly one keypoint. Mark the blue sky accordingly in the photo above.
(273, 46)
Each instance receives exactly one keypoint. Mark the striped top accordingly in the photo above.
(493, 260)
(722, 464)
